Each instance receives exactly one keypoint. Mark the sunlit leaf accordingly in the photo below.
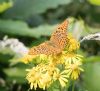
(95, 2)
(5, 5)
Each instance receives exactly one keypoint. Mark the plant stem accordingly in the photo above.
(73, 86)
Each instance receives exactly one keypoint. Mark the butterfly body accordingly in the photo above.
(56, 43)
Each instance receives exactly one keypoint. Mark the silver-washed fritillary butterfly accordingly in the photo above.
(56, 43)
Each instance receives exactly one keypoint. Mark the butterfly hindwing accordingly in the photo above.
(44, 48)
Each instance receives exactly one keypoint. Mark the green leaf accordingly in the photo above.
(91, 29)
(3, 89)
(5, 55)
(17, 74)
(95, 2)
(6, 50)
(25, 8)
(92, 59)
(91, 76)
(21, 28)
(5, 6)
(54, 86)
(19, 80)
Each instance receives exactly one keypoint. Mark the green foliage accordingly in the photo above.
(92, 75)
(95, 2)
(91, 29)
(15, 73)
(5, 55)
(25, 8)
(92, 59)
(22, 29)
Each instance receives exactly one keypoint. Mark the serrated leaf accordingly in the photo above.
(22, 29)
(25, 8)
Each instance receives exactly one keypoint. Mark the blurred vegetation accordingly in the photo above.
(32, 22)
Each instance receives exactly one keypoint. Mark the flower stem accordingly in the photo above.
(73, 86)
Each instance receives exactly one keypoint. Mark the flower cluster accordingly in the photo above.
(62, 68)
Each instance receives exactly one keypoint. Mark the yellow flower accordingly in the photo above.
(72, 44)
(71, 58)
(39, 76)
(45, 80)
(5, 5)
(56, 59)
(61, 76)
(44, 58)
(74, 69)
(36, 58)
(33, 77)
(27, 58)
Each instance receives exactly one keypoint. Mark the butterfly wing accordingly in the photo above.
(47, 48)
(56, 44)
(59, 36)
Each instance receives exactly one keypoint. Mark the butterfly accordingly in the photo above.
(56, 43)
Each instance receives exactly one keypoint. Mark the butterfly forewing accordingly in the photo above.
(59, 36)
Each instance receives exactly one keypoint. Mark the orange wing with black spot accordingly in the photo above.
(56, 44)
